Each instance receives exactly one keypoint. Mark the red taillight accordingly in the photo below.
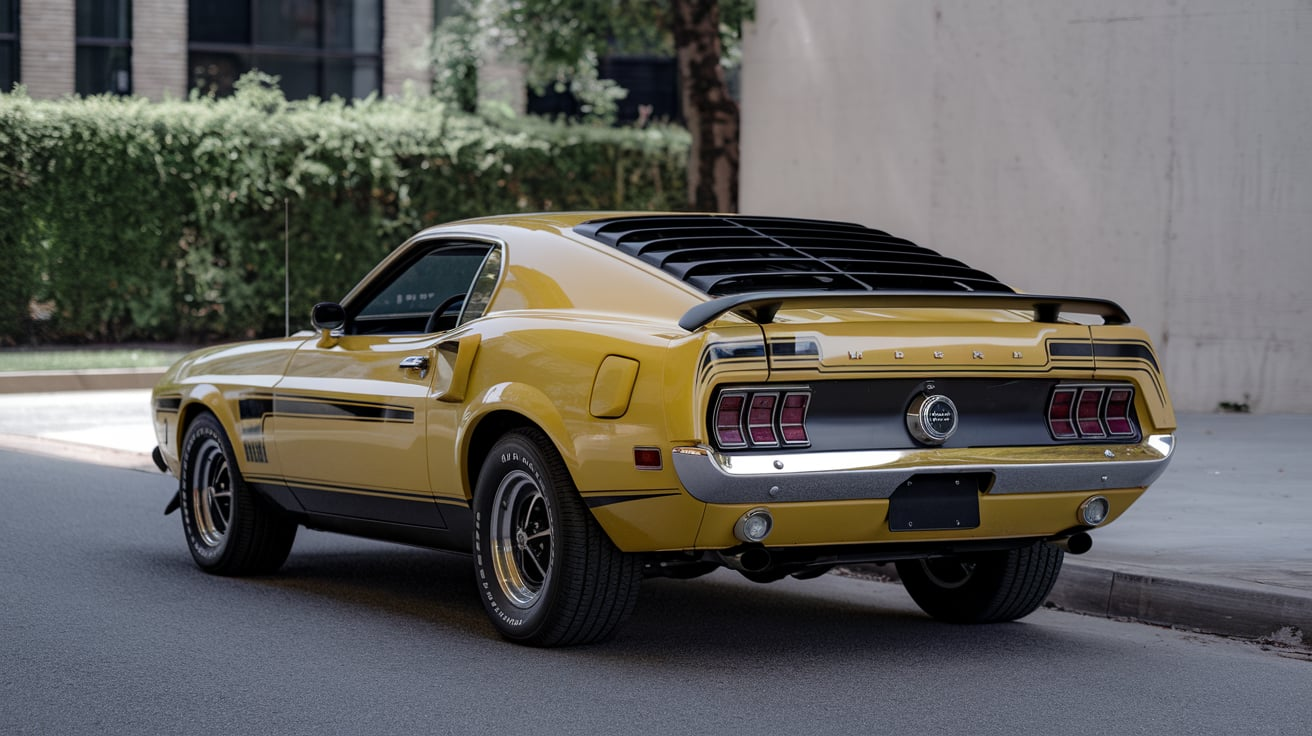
(792, 419)
(1061, 412)
(760, 420)
(1119, 423)
(765, 418)
(1092, 412)
(1088, 413)
(729, 420)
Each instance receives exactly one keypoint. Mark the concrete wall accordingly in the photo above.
(1157, 152)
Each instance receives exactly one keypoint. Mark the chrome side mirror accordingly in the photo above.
(326, 317)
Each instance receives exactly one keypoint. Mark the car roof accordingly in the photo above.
(668, 267)
(727, 254)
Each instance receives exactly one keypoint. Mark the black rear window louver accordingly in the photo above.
(725, 255)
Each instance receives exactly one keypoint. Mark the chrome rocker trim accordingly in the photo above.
(715, 477)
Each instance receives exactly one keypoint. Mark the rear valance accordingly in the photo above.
(761, 307)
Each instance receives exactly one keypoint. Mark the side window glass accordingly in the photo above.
(485, 282)
(409, 302)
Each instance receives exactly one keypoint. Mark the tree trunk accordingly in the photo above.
(710, 112)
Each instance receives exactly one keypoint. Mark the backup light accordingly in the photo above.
(754, 526)
(1093, 511)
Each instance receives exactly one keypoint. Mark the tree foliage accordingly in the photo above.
(561, 41)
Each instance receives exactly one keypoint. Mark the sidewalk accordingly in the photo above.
(1222, 543)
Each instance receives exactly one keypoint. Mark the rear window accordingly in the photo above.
(724, 255)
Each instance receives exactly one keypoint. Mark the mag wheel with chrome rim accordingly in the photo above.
(985, 587)
(546, 573)
(229, 530)
(521, 538)
(210, 488)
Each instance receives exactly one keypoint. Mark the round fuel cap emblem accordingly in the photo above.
(932, 419)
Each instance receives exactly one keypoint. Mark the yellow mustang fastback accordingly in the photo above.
(585, 400)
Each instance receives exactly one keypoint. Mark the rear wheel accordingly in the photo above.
(986, 587)
(546, 572)
(230, 531)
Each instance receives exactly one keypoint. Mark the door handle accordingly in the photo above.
(415, 363)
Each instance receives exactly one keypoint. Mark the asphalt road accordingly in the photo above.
(106, 627)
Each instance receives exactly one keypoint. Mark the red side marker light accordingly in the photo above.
(647, 458)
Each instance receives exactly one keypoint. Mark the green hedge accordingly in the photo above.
(122, 219)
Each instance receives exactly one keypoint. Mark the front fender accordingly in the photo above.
(202, 397)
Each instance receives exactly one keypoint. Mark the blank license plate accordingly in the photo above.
(935, 502)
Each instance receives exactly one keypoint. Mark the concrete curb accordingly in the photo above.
(1260, 613)
(108, 379)
(82, 453)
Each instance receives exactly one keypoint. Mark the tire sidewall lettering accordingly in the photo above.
(198, 434)
(518, 621)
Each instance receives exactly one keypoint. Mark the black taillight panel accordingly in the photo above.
(865, 414)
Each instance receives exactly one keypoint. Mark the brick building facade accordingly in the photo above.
(164, 48)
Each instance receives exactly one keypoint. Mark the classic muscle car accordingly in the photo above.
(584, 400)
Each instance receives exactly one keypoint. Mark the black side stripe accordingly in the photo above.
(1079, 349)
(1130, 349)
(258, 406)
(255, 406)
(598, 501)
(1136, 349)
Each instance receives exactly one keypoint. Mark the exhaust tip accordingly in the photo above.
(750, 560)
(1076, 544)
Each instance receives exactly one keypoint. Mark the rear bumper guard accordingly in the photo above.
(714, 477)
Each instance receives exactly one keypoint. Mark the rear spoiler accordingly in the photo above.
(761, 306)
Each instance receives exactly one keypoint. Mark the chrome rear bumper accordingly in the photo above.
(715, 477)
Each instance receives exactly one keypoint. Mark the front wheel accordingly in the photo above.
(546, 572)
(229, 530)
(985, 587)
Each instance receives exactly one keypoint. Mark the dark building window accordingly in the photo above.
(652, 81)
(319, 48)
(104, 47)
(8, 44)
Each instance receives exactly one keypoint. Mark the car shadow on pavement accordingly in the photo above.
(710, 622)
